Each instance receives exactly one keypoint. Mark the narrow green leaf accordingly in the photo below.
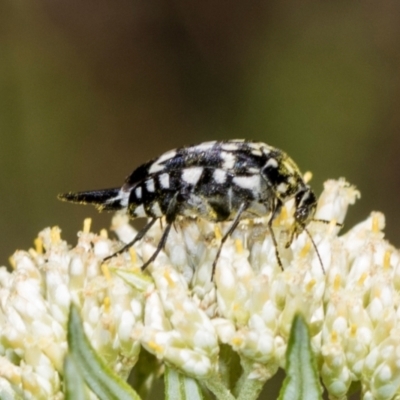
(180, 387)
(302, 381)
(135, 279)
(230, 370)
(146, 373)
(74, 385)
(97, 375)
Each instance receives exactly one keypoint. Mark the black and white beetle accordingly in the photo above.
(218, 181)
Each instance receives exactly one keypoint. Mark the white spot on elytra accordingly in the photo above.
(156, 167)
(205, 146)
(156, 210)
(192, 175)
(248, 182)
(219, 175)
(150, 185)
(228, 160)
(256, 152)
(166, 156)
(164, 180)
(139, 211)
(255, 146)
(229, 146)
(138, 192)
(266, 150)
(271, 163)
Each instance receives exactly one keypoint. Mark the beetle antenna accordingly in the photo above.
(316, 249)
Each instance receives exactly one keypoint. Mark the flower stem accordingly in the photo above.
(220, 391)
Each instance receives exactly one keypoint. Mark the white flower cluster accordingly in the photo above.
(182, 314)
(34, 307)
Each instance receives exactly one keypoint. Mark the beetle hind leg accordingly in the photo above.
(228, 233)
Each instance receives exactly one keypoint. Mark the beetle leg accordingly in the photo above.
(229, 232)
(139, 236)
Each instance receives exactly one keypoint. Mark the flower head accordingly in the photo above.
(182, 314)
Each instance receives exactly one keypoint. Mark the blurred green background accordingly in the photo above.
(91, 89)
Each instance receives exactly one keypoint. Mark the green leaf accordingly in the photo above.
(74, 385)
(146, 373)
(136, 279)
(97, 375)
(230, 369)
(180, 387)
(302, 381)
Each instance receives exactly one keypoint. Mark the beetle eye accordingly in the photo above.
(305, 205)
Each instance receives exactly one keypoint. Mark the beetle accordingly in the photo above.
(219, 181)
